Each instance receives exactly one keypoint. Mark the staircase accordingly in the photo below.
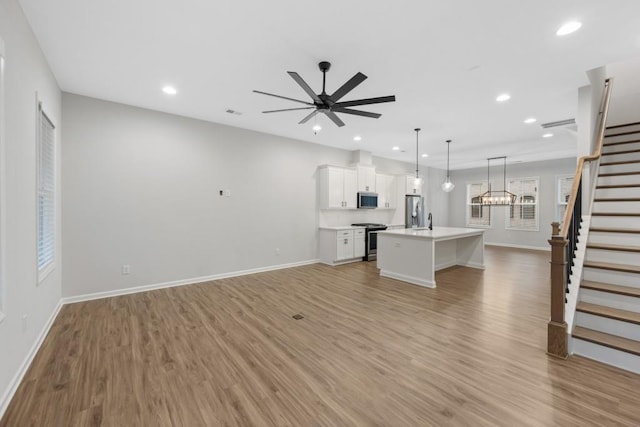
(607, 322)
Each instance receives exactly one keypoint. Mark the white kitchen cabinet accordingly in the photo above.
(341, 245)
(386, 188)
(411, 187)
(337, 187)
(358, 242)
(366, 178)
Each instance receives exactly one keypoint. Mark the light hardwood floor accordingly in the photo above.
(369, 351)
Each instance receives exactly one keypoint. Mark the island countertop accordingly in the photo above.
(438, 233)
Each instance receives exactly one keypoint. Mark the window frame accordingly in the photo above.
(46, 269)
(559, 204)
(469, 206)
(536, 205)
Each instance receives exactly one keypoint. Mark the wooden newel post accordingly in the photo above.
(557, 344)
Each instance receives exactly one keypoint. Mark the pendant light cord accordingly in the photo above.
(448, 145)
(417, 169)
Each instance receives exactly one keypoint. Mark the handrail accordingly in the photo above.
(564, 240)
(603, 113)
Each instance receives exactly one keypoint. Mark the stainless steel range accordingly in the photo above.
(370, 239)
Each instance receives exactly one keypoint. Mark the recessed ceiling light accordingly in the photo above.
(547, 135)
(396, 148)
(504, 97)
(357, 138)
(568, 28)
(530, 120)
(425, 155)
(169, 90)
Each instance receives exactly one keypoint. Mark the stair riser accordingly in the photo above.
(625, 167)
(608, 299)
(608, 326)
(619, 180)
(618, 192)
(617, 207)
(610, 356)
(620, 147)
(616, 222)
(621, 278)
(621, 157)
(625, 239)
(615, 257)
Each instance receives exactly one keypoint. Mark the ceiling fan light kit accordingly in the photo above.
(327, 104)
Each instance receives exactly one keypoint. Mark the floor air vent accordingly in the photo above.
(298, 316)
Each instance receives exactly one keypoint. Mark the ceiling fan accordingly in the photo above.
(328, 104)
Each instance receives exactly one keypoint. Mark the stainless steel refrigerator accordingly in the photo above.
(414, 211)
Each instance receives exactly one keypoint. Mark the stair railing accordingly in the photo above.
(564, 236)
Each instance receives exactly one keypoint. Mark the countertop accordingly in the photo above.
(342, 227)
(438, 233)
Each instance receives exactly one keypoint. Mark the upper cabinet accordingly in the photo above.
(410, 185)
(366, 178)
(338, 187)
(386, 188)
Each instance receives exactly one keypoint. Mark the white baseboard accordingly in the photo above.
(410, 279)
(26, 363)
(183, 282)
(509, 245)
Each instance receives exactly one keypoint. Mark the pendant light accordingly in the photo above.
(417, 182)
(447, 185)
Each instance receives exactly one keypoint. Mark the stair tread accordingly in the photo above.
(610, 312)
(621, 162)
(622, 125)
(631, 132)
(614, 230)
(615, 214)
(617, 199)
(618, 174)
(613, 289)
(608, 340)
(610, 144)
(609, 247)
(613, 153)
(600, 187)
(612, 266)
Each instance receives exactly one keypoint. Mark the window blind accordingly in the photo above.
(523, 214)
(477, 215)
(46, 191)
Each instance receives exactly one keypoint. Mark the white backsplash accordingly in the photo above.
(337, 217)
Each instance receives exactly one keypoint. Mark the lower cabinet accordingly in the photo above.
(339, 246)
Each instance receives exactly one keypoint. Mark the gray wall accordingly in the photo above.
(547, 171)
(141, 188)
(26, 304)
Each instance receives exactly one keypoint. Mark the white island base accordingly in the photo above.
(414, 255)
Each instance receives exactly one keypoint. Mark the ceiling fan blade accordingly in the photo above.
(377, 100)
(304, 86)
(306, 119)
(289, 109)
(284, 97)
(356, 112)
(348, 86)
(335, 119)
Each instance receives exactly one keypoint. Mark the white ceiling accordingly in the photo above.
(445, 61)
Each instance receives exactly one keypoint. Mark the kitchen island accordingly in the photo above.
(414, 255)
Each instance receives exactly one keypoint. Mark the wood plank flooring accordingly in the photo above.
(369, 351)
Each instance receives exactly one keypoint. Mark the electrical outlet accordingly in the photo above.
(227, 193)
(126, 269)
(221, 192)
(396, 245)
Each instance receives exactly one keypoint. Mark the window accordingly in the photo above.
(523, 214)
(46, 194)
(563, 192)
(477, 215)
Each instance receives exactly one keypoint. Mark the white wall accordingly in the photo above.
(547, 171)
(141, 188)
(26, 72)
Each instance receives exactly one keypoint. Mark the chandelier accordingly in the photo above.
(497, 198)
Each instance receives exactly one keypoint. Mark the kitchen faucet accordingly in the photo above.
(430, 218)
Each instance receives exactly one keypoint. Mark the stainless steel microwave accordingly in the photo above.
(367, 200)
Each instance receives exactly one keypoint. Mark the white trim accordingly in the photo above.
(507, 216)
(26, 363)
(510, 245)
(183, 282)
